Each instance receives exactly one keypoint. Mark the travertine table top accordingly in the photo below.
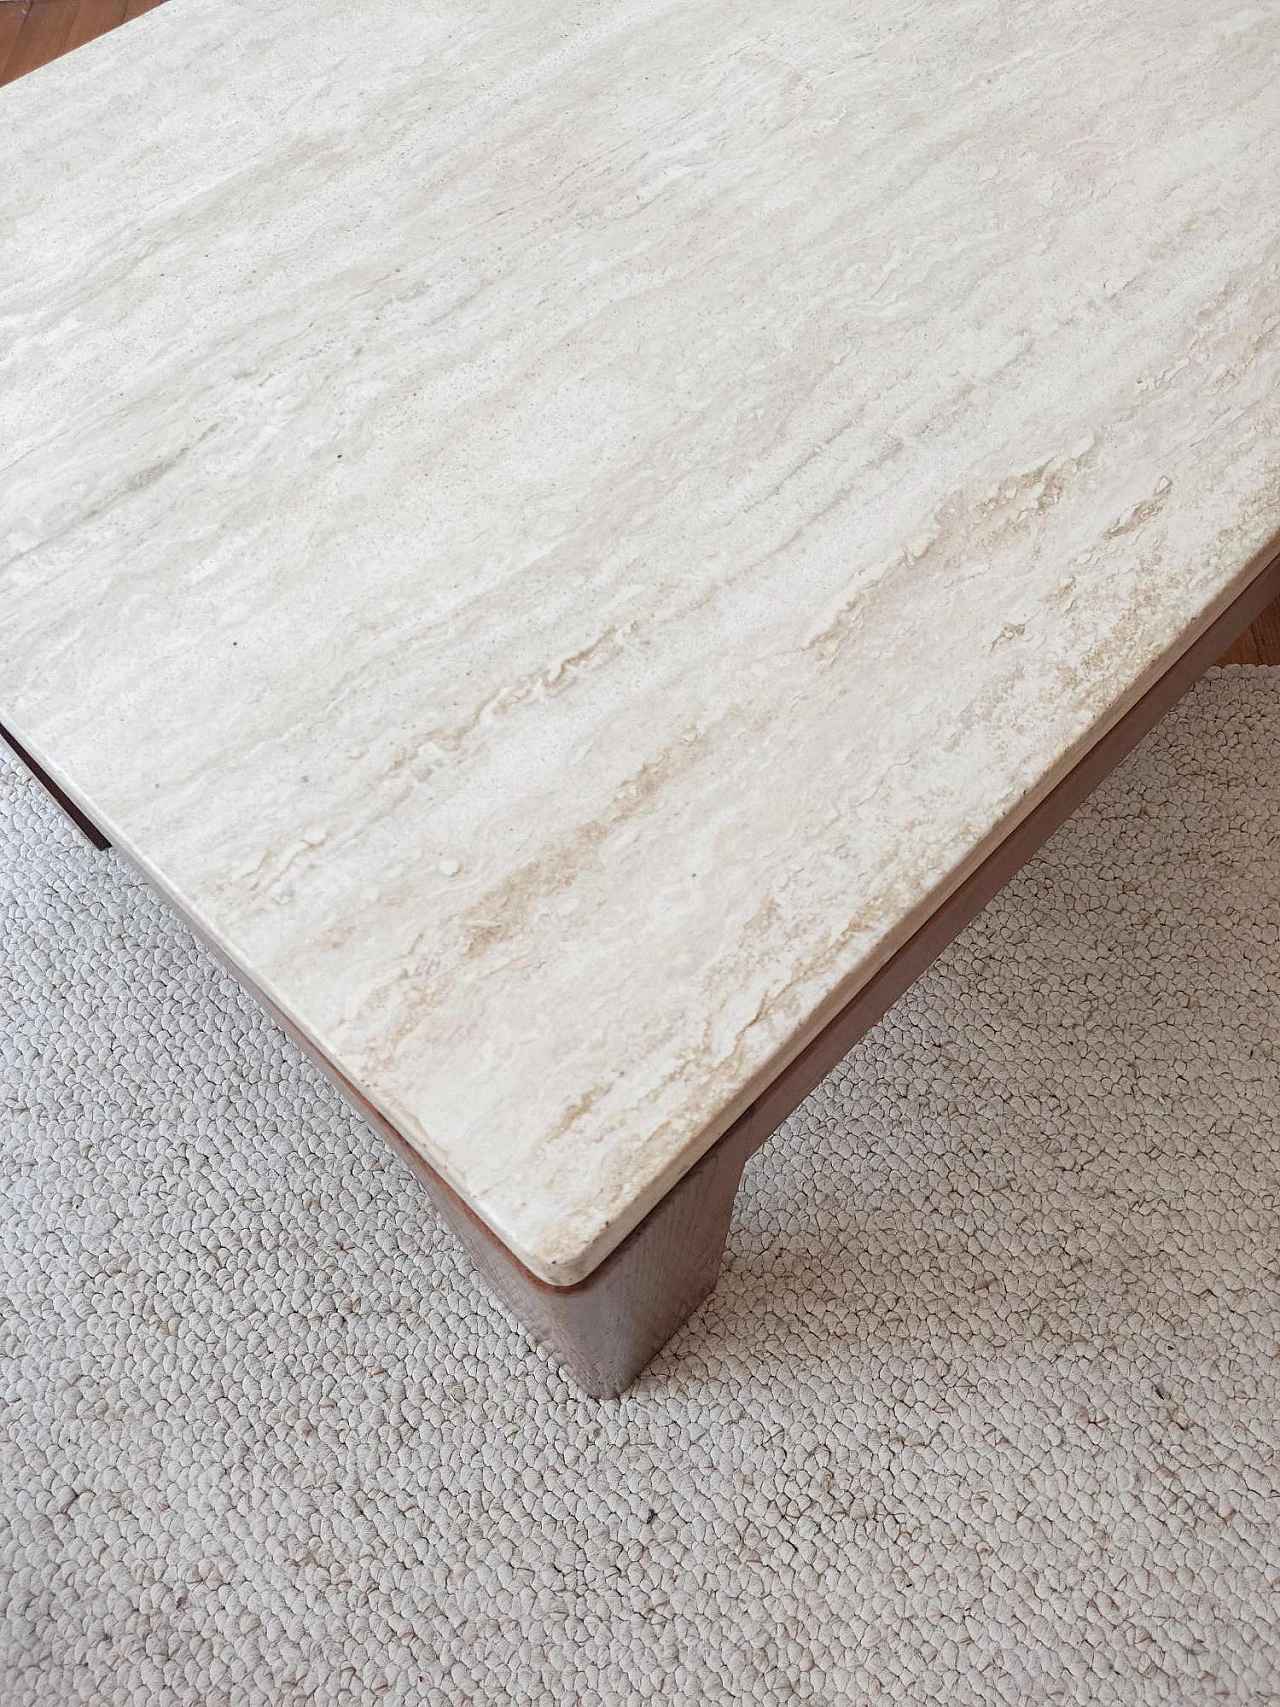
(557, 531)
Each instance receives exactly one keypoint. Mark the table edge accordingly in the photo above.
(747, 1120)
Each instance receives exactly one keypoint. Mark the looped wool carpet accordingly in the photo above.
(986, 1407)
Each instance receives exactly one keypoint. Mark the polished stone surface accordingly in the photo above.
(555, 532)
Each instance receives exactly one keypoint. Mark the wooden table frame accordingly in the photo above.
(606, 1328)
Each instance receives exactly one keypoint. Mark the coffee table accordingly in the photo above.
(578, 546)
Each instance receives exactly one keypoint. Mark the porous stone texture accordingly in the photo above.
(985, 1408)
(589, 518)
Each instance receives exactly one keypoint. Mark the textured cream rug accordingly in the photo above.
(986, 1408)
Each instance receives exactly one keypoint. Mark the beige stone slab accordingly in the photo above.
(555, 531)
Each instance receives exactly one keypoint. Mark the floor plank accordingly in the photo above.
(11, 16)
(1245, 650)
(94, 18)
(1259, 644)
(1266, 632)
(42, 36)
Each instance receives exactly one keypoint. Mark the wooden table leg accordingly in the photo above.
(607, 1327)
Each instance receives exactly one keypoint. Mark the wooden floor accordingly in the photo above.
(1259, 644)
(32, 32)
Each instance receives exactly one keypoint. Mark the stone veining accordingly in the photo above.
(556, 544)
